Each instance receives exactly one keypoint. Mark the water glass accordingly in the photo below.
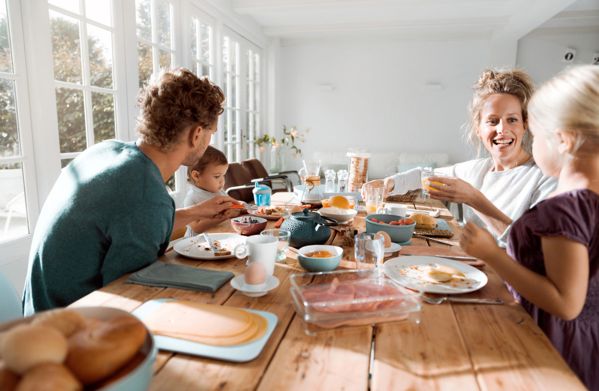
(329, 184)
(369, 251)
(342, 176)
(283, 237)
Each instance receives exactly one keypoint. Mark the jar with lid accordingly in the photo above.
(358, 170)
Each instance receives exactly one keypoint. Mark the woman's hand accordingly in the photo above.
(453, 189)
(387, 184)
(478, 242)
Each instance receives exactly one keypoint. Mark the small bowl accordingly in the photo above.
(338, 214)
(398, 233)
(248, 225)
(319, 264)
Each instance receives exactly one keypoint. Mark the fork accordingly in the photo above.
(441, 299)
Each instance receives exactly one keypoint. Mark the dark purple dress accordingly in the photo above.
(575, 216)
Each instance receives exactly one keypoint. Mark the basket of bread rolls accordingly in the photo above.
(86, 348)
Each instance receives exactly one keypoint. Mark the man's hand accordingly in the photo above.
(478, 242)
(214, 207)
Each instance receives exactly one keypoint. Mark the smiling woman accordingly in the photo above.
(499, 188)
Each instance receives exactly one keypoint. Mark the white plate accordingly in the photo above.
(393, 248)
(399, 270)
(251, 290)
(339, 215)
(192, 247)
(274, 216)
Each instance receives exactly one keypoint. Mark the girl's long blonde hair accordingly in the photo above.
(569, 101)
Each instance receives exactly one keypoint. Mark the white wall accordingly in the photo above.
(382, 95)
(541, 51)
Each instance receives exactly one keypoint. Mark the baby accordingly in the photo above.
(207, 179)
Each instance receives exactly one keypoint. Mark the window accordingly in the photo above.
(202, 46)
(155, 37)
(230, 85)
(252, 99)
(16, 162)
(241, 83)
(82, 48)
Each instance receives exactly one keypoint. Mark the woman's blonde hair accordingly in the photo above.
(570, 102)
(514, 82)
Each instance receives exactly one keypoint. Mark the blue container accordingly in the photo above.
(319, 264)
(262, 194)
(398, 233)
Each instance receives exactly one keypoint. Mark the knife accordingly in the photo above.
(207, 239)
(446, 242)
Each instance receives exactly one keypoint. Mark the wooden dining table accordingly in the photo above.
(453, 347)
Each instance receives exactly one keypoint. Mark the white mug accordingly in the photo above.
(398, 210)
(259, 248)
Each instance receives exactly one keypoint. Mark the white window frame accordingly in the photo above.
(35, 93)
(26, 157)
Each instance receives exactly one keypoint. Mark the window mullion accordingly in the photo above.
(86, 78)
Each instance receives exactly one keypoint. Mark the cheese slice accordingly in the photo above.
(205, 323)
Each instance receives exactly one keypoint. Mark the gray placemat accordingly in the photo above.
(179, 276)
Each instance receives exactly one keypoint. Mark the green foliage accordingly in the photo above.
(69, 101)
(291, 137)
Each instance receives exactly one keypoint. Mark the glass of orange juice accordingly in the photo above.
(374, 199)
(425, 174)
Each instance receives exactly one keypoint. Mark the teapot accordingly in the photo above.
(307, 228)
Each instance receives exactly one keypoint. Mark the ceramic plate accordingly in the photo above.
(274, 216)
(194, 247)
(410, 272)
(393, 248)
(237, 353)
(250, 290)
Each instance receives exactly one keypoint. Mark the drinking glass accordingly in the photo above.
(369, 251)
(329, 184)
(342, 176)
(374, 199)
(283, 237)
(426, 173)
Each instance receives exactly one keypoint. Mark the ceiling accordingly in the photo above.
(425, 19)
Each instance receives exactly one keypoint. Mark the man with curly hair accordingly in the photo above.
(109, 213)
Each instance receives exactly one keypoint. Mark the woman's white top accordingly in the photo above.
(195, 195)
(512, 191)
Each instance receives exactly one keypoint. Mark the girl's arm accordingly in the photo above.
(562, 292)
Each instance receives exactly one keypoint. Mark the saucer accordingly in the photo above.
(254, 290)
(393, 248)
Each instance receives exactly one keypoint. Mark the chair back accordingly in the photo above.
(255, 168)
(10, 304)
(237, 175)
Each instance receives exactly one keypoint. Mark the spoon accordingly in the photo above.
(441, 299)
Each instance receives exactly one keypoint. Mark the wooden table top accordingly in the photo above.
(455, 346)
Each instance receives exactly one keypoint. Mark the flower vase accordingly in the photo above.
(276, 159)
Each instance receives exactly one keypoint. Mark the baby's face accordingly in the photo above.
(212, 179)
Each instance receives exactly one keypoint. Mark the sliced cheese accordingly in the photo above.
(206, 323)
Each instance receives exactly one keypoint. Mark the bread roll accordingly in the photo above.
(8, 379)
(102, 347)
(49, 377)
(63, 320)
(424, 221)
(26, 346)
(385, 237)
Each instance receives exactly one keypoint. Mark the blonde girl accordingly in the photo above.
(556, 242)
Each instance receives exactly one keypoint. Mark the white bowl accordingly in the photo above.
(338, 214)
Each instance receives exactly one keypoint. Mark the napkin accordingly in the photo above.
(178, 276)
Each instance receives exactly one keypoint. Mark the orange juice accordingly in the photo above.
(371, 207)
(426, 184)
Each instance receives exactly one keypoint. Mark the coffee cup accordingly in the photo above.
(259, 248)
(397, 210)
